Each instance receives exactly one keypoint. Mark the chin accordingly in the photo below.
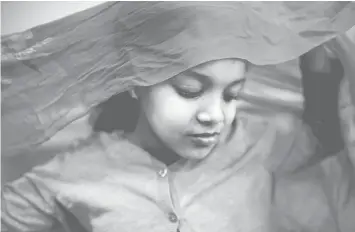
(196, 154)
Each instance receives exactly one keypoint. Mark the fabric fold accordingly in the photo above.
(56, 73)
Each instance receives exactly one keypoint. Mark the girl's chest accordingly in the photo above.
(164, 202)
(244, 200)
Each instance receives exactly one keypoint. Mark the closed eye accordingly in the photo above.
(229, 98)
(188, 93)
(233, 92)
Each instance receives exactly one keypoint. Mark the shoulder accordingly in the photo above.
(85, 159)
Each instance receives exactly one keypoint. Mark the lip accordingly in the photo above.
(204, 139)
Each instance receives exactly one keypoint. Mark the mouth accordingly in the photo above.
(204, 139)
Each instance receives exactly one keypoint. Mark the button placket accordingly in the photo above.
(172, 217)
(163, 172)
(165, 197)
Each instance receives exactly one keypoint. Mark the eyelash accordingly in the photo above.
(188, 94)
(230, 98)
(192, 95)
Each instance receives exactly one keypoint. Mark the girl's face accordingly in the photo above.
(190, 113)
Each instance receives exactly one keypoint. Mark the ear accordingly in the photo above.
(133, 94)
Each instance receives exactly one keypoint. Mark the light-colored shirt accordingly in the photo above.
(108, 184)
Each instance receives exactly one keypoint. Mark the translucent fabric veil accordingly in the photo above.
(55, 73)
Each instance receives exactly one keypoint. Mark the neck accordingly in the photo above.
(144, 137)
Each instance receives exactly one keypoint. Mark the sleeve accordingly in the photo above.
(317, 135)
(344, 49)
(293, 148)
(27, 204)
(339, 186)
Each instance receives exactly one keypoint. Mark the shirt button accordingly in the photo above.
(172, 217)
(163, 172)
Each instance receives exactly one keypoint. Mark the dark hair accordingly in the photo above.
(120, 112)
(321, 77)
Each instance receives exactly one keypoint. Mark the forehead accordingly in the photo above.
(221, 71)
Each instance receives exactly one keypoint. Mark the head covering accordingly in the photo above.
(55, 73)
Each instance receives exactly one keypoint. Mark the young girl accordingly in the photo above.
(189, 156)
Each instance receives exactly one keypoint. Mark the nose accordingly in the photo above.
(212, 112)
(351, 135)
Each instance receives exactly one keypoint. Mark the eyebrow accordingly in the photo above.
(203, 77)
(238, 82)
(198, 75)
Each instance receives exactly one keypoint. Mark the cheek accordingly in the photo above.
(168, 111)
(230, 113)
